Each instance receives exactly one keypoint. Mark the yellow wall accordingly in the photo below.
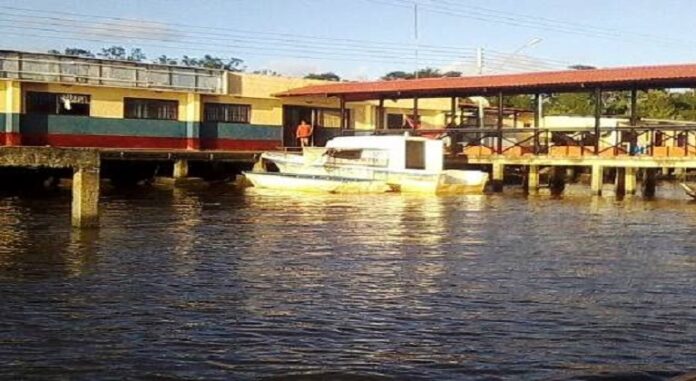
(10, 96)
(248, 89)
(107, 102)
(264, 86)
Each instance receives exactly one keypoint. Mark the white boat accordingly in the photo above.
(408, 163)
(315, 183)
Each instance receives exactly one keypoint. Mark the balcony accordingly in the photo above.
(39, 67)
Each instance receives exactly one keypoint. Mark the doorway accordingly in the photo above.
(292, 116)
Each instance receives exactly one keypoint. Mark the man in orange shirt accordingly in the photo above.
(304, 133)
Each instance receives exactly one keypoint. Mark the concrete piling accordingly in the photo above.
(85, 198)
(180, 169)
(497, 177)
(630, 183)
(597, 179)
(533, 179)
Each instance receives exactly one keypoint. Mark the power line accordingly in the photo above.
(533, 22)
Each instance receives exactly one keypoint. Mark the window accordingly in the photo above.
(57, 104)
(227, 113)
(135, 108)
(395, 121)
(415, 154)
(331, 118)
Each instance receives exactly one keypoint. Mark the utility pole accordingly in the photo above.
(479, 61)
(479, 70)
(415, 33)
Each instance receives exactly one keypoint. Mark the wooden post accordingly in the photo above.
(597, 179)
(537, 120)
(85, 198)
(342, 102)
(415, 113)
(500, 123)
(380, 115)
(649, 182)
(598, 117)
(620, 181)
(634, 122)
(533, 179)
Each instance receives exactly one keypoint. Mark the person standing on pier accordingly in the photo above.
(304, 133)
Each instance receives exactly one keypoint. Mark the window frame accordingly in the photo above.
(173, 102)
(56, 103)
(221, 107)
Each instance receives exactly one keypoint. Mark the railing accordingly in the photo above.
(646, 140)
(38, 67)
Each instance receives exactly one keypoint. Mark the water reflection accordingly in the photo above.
(217, 284)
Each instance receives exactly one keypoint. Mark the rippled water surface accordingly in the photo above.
(213, 283)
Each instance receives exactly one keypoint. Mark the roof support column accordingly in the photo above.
(416, 119)
(598, 117)
(537, 118)
(634, 121)
(342, 102)
(453, 111)
(380, 115)
(500, 123)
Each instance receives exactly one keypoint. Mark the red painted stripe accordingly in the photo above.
(104, 141)
(10, 139)
(110, 141)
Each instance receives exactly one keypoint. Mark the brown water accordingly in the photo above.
(212, 283)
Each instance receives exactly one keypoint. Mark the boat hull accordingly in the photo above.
(315, 183)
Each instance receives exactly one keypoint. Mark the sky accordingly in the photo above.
(364, 39)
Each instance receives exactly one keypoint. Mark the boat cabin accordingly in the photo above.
(395, 152)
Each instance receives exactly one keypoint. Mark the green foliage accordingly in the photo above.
(657, 104)
(569, 104)
(74, 52)
(328, 76)
(525, 102)
(211, 62)
(428, 72)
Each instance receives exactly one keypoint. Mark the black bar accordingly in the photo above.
(598, 117)
(500, 123)
(415, 112)
(343, 113)
(380, 114)
(634, 107)
(537, 119)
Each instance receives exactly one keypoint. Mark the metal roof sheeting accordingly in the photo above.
(567, 80)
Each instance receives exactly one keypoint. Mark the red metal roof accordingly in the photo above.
(567, 80)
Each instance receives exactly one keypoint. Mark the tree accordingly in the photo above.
(210, 62)
(113, 53)
(397, 75)
(656, 104)
(522, 101)
(73, 52)
(136, 55)
(328, 76)
(581, 67)
(165, 60)
(570, 104)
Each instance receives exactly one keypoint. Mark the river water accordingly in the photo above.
(214, 283)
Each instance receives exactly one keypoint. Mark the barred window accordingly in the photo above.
(227, 113)
(57, 104)
(137, 108)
